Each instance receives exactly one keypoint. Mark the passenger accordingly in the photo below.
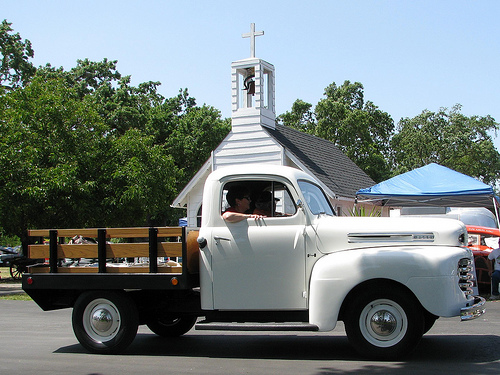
(239, 200)
(266, 204)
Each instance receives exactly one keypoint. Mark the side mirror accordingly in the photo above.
(301, 207)
(300, 204)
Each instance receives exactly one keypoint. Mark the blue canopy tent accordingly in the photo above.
(431, 185)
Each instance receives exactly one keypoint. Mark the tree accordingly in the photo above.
(143, 180)
(51, 145)
(200, 130)
(301, 117)
(15, 69)
(85, 148)
(449, 138)
(62, 165)
(359, 129)
(124, 107)
(120, 105)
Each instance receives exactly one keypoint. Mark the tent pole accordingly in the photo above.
(496, 209)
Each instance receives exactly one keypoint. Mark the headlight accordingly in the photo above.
(462, 238)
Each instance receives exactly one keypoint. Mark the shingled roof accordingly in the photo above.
(332, 167)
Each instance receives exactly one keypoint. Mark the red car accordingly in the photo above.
(482, 240)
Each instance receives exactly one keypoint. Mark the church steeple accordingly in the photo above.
(253, 100)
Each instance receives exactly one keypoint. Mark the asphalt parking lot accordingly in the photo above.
(34, 341)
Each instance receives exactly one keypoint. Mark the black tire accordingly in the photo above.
(429, 321)
(171, 326)
(16, 271)
(385, 323)
(105, 322)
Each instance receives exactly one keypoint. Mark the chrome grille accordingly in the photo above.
(465, 276)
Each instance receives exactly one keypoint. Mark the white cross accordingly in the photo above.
(252, 34)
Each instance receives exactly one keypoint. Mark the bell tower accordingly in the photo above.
(252, 86)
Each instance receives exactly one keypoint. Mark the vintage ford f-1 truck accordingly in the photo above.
(296, 266)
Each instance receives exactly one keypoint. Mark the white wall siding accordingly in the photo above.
(251, 117)
(194, 202)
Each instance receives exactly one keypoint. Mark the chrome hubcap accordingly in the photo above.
(101, 320)
(383, 323)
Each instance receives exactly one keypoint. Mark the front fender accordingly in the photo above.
(429, 272)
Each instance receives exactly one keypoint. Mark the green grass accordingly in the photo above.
(5, 273)
(16, 297)
(7, 279)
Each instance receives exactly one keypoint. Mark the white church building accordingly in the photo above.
(256, 138)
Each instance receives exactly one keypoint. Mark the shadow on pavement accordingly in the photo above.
(457, 349)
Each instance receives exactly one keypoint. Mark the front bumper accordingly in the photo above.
(474, 311)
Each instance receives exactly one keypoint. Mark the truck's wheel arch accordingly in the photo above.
(374, 284)
(430, 318)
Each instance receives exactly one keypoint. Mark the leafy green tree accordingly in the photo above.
(200, 130)
(51, 145)
(124, 107)
(164, 118)
(358, 128)
(64, 167)
(15, 68)
(301, 117)
(143, 179)
(121, 105)
(85, 148)
(449, 138)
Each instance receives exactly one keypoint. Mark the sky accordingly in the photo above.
(409, 55)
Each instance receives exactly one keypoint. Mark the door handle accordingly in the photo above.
(217, 238)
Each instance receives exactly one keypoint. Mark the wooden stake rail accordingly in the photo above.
(135, 232)
(103, 250)
(113, 250)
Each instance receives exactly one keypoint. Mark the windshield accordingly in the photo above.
(315, 199)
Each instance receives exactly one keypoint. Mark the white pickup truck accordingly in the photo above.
(298, 267)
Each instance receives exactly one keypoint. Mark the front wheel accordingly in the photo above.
(171, 326)
(384, 325)
(105, 322)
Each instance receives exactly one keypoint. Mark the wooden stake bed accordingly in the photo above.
(150, 243)
(53, 285)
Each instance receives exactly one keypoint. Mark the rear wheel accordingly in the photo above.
(385, 324)
(105, 322)
(171, 326)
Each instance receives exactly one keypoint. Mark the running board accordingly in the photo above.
(231, 326)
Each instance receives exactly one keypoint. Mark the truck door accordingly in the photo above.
(260, 264)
